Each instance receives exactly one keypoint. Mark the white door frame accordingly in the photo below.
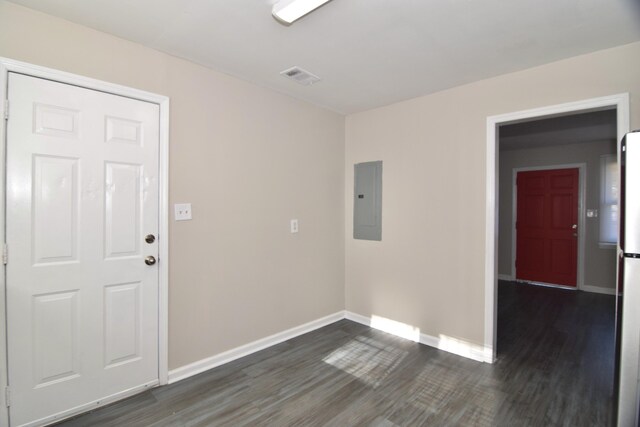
(8, 65)
(620, 102)
(582, 197)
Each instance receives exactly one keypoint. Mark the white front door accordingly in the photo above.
(82, 194)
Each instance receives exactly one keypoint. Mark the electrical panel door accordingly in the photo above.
(367, 204)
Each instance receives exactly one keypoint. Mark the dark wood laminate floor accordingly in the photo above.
(554, 368)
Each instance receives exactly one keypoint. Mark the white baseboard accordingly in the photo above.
(462, 348)
(598, 290)
(451, 345)
(252, 347)
(507, 277)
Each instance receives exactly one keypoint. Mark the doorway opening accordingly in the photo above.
(552, 224)
(554, 192)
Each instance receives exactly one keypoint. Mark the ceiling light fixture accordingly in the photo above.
(288, 11)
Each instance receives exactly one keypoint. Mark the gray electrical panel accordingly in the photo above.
(367, 201)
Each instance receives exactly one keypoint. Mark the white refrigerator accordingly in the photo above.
(628, 309)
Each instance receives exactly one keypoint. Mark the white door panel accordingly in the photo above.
(82, 192)
(55, 337)
(55, 189)
(122, 323)
(122, 210)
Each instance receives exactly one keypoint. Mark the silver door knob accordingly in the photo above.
(150, 260)
(574, 226)
(150, 238)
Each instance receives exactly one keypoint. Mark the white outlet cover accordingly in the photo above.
(294, 226)
(182, 211)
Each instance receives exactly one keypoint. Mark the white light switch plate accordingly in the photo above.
(294, 226)
(182, 211)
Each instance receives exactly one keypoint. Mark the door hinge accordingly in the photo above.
(6, 109)
(7, 396)
(5, 254)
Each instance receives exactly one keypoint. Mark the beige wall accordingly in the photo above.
(428, 271)
(248, 159)
(599, 263)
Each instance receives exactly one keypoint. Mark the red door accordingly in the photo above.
(547, 226)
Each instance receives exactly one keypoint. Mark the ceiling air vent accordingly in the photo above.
(301, 76)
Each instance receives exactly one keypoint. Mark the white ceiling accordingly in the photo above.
(368, 53)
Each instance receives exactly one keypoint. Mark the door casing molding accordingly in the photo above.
(9, 65)
(620, 102)
(582, 197)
